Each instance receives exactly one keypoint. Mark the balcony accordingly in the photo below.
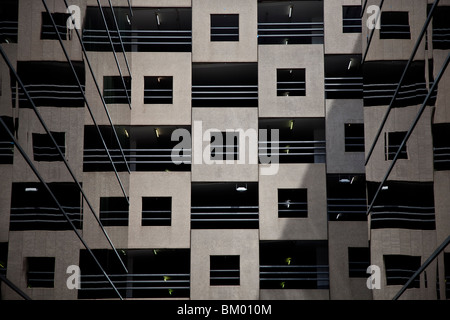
(153, 273)
(441, 146)
(9, 17)
(382, 78)
(32, 208)
(224, 85)
(343, 77)
(49, 84)
(441, 28)
(346, 197)
(224, 206)
(300, 140)
(290, 22)
(148, 30)
(403, 205)
(293, 265)
(146, 148)
(6, 143)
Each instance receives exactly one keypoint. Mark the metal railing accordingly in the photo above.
(218, 217)
(291, 88)
(343, 87)
(352, 25)
(9, 30)
(294, 276)
(442, 158)
(138, 156)
(155, 284)
(381, 93)
(6, 152)
(347, 209)
(403, 217)
(441, 37)
(224, 92)
(41, 279)
(293, 32)
(116, 95)
(44, 218)
(292, 209)
(144, 40)
(59, 93)
(293, 151)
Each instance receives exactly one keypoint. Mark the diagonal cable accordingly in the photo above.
(52, 195)
(14, 287)
(120, 36)
(408, 134)
(61, 154)
(403, 77)
(80, 39)
(114, 52)
(85, 99)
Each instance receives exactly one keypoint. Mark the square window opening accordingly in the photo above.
(48, 30)
(40, 272)
(224, 27)
(158, 90)
(114, 211)
(354, 137)
(393, 141)
(291, 82)
(156, 211)
(351, 16)
(395, 25)
(224, 270)
(45, 150)
(292, 203)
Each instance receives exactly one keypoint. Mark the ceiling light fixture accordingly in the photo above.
(344, 180)
(126, 133)
(157, 132)
(31, 189)
(157, 20)
(241, 188)
(291, 124)
(384, 188)
(290, 11)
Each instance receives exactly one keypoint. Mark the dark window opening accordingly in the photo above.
(6, 143)
(447, 274)
(158, 90)
(441, 27)
(351, 17)
(343, 76)
(395, 25)
(40, 272)
(153, 149)
(358, 262)
(381, 79)
(45, 150)
(48, 30)
(32, 207)
(9, 17)
(290, 22)
(393, 141)
(300, 140)
(400, 268)
(346, 197)
(225, 205)
(156, 211)
(50, 84)
(152, 273)
(3, 261)
(293, 265)
(403, 205)
(147, 30)
(224, 27)
(292, 203)
(224, 271)
(441, 146)
(291, 82)
(114, 91)
(114, 211)
(224, 145)
(354, 137)
(225, 85)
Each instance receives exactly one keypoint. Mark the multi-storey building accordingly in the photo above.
(224, 149)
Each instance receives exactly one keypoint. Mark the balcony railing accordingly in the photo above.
(343, 87)
(396, 276)
(97, 159)
(403, 217)
(139, 40)
(347, 209)
(381, 93)
(224, 92)
(8, 31)
(41, 279)
(294, 276)
(290, 32)
(442, 158)
(223, 217)
(6, 152)
(138, 285)
(294, 151)
(44, 218)
(51, 95)
(441, 38)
